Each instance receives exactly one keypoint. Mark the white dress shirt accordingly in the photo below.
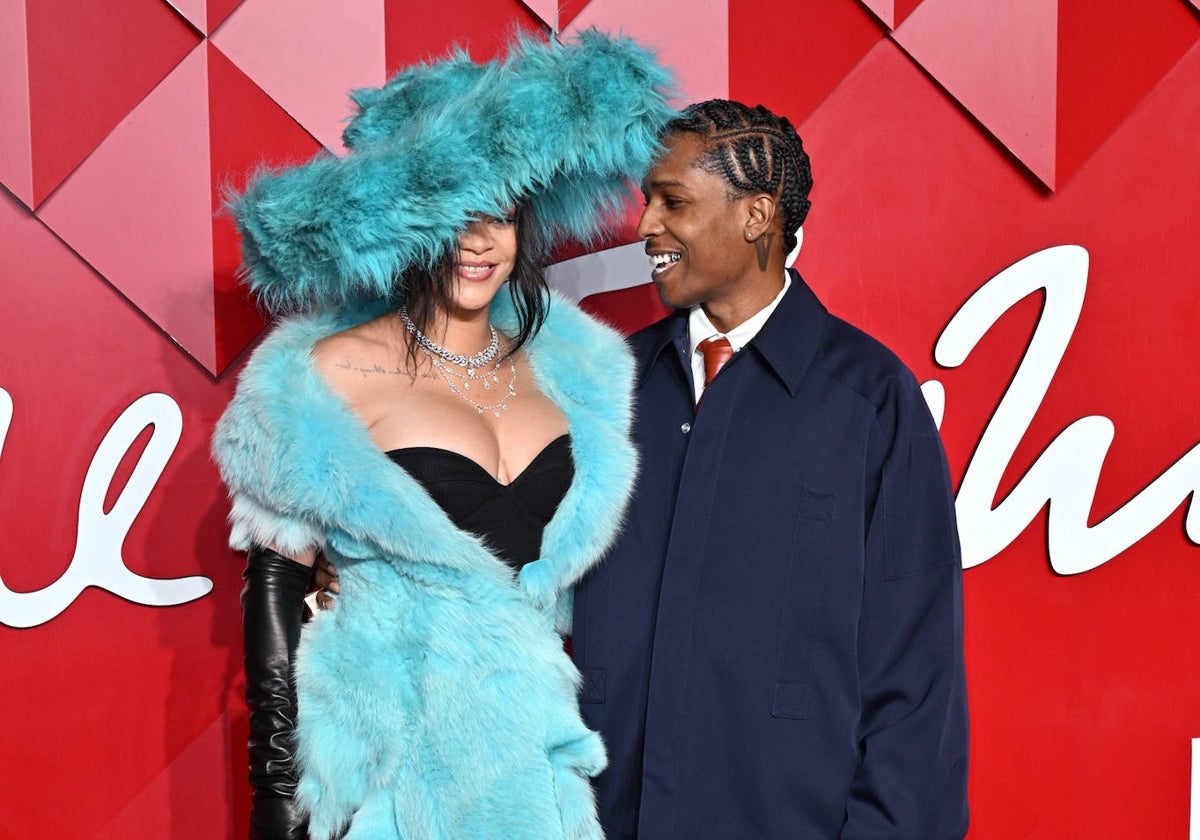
(700, 329)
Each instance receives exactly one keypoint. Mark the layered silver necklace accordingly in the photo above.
(480, 369)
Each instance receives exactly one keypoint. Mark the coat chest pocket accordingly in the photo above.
(800, 615)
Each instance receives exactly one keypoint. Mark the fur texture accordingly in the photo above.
(561, 126)
(435, 700)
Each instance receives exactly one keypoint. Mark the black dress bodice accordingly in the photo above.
(509, 517)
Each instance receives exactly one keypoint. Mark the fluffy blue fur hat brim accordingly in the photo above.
(564, 127)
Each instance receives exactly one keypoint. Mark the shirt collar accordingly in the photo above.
(700, 328)
(787, 341)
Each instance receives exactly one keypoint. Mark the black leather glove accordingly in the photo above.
(272, 612)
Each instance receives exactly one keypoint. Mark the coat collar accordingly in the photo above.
(671, 331)
(295, 448)
(787, 342)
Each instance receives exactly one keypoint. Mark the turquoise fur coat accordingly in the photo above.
(436, 700)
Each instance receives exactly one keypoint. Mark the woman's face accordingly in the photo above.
(487, 253)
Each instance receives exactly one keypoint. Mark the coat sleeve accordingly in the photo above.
(912, 774)
(252, 524)
(246, 449)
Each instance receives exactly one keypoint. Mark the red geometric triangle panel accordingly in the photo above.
(1050, 79)
(568, 10)
(246, 129)
(200, 770)
(818, 41)
(16, 161)
(891, 12)
(218, 11)
(139, 209)
(89, 65)
(1110, 55)
(299, 66)
(142, 209)
(1000, 62)
(484, 30)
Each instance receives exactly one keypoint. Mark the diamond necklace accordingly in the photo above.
(430, 346)
(460, 383)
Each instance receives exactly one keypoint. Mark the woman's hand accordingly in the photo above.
(326, 580)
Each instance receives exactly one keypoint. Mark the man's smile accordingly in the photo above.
(661, 262)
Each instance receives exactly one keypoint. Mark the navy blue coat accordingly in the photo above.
(773, 648)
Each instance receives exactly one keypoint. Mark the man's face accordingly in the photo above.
(694, 234)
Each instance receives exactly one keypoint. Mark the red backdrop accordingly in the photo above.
(949, 142)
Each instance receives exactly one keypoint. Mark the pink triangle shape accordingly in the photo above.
(139, 210)
(1000, 61)
(546, 10)
(307, 58)
(205, 15)
(891, 13)
(16, 145)
(90, 65)
(885, 10)
(690, 36)
(194, 12)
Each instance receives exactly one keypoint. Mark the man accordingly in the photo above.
(773, 648)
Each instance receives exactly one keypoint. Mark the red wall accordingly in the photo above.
(949, 142)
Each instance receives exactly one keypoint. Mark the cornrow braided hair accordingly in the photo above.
(755, 151)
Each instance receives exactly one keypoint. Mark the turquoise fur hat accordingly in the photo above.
(563, 127)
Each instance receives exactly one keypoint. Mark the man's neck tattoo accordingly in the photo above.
(762, 247)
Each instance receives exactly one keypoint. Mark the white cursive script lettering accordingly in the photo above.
(1067, 473)
(100, 537)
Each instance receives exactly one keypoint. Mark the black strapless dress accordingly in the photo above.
(509, 517)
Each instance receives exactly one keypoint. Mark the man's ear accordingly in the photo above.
(760, 215)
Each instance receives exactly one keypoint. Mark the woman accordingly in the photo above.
(457, 447)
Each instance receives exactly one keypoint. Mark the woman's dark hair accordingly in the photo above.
(755, 151)
(430, 291)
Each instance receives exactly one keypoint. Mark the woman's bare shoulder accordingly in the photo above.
(360, 356)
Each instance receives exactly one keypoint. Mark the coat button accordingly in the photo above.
(685, 428)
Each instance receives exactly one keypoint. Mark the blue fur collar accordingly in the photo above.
(302, 469)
